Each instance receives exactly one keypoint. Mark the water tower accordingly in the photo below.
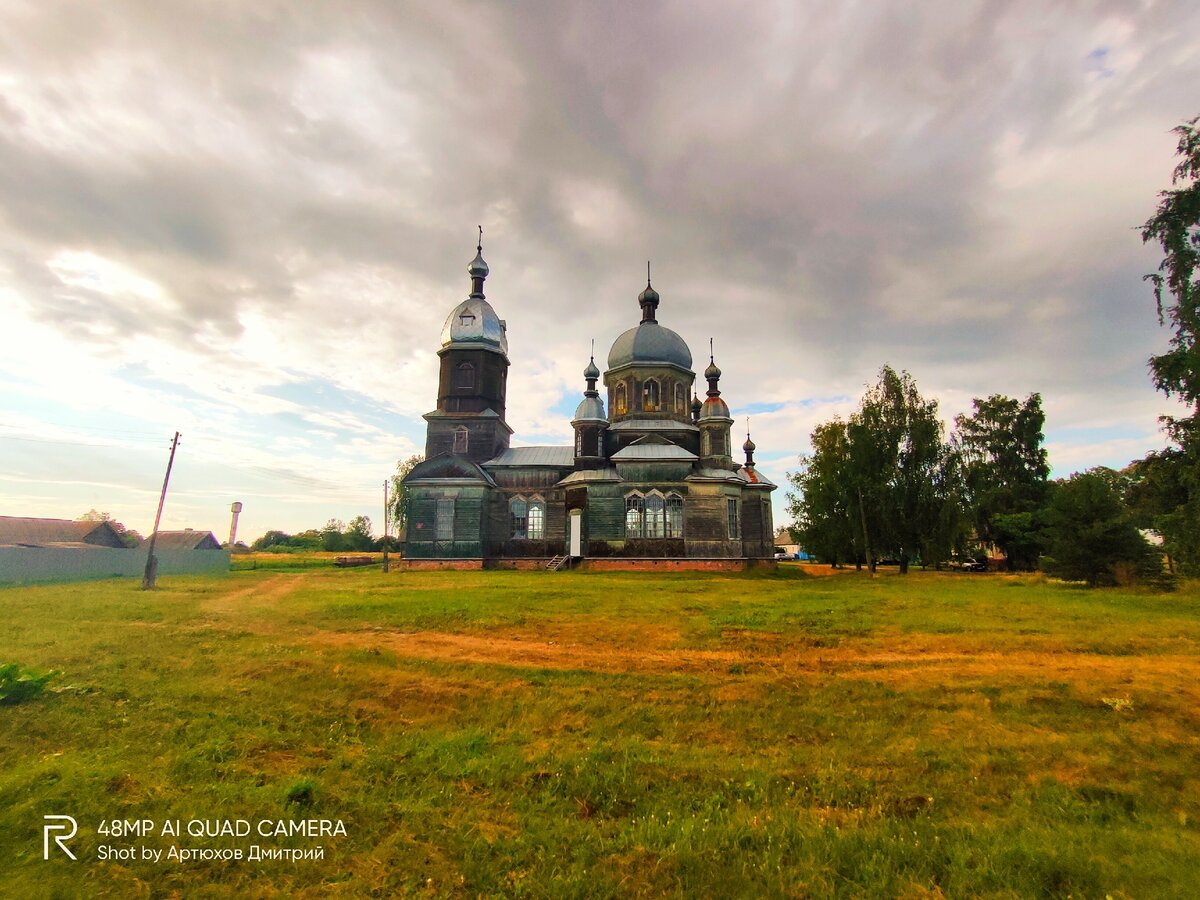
(235, 509)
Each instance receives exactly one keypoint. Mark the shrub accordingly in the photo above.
(18, 684)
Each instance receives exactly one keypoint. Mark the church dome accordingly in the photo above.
(474, 323)
(649, 342)
(714, 408)
(590, 408)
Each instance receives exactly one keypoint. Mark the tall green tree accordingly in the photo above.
(1089, 533)
(822, 503)
(1159, 495)
(1004, 473)
(881, 483)
(1176, 228)
(397, 498)
(358, 534)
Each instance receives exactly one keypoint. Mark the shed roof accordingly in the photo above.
(21, 530)
(186, 540)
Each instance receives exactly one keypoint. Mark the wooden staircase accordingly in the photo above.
(557, 563)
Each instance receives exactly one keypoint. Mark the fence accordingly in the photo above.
(23, 565)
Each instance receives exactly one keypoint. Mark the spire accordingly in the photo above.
(648, 299)
(591, 373)
(712, 373)
(478, 270)
(749, 447)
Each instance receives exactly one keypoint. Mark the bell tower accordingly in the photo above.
(469, 419)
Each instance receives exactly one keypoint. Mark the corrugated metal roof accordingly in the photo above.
(652, 425)
(711, 474)
(558, 457)
(649, 342)
(653, 451)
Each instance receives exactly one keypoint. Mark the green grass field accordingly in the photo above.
(610, 735)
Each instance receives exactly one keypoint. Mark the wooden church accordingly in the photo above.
(652, 482)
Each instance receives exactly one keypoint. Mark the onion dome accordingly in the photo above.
(712, 371)
(649, 343)
(695, 407)
(473, 324)
(591, 407)
(749, 446)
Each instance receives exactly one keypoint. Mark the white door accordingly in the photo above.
(576, 532)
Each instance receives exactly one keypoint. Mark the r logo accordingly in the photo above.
(61, 823)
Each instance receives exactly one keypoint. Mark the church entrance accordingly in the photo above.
(575, 544)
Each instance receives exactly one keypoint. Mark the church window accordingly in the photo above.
(674, 516)
(464, 376)
(600, 443)
(460, 439)
(634, 514)
(718, 443)
(621, 398)
(706, 444)
(443, 526)
(537, 520)
(650, 395)
(466, 320)
(520, 517)
(579, 442)
(655, 516)
(731, 511)
(680, 400)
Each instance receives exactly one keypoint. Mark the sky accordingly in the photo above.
(247, 222)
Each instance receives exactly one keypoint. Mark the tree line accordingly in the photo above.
(886, 481)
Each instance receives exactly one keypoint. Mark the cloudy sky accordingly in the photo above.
(248, 221)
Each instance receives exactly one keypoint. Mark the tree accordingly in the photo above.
(1159, 495)
(1089, 534)
(883, 482)
(358, 534)
(1004, 473)
(397, 501)
(271, 539)
(128, 536)
(333, 537)
(1176, 228)
(821, 505)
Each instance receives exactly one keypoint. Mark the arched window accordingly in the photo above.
(731, 511)
(600, 443)
(460, 439)
(680, 400)
(634, 514)
(579, 442)
(706, 444)
(464, 377)
(537, 520)
(650, 395)
(655, 516)
(520, 517)
(621, 398)
(674, 516)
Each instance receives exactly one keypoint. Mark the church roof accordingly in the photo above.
(650, 425)
(756, 478)
(648, 343)
(644, 452)
(586, 475)
(473, 323)
(711, 474)
(557, 457)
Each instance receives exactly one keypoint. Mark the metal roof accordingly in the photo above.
(186, 540)
(590, 408)
(557, 457)
(589, 475)
(473, 323)
(649, 342)
(21, 530)
(755, 477)
(710, 474)
(671, 452)
(639, 425)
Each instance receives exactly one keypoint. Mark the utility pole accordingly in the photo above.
(151, 562)
(385, 526)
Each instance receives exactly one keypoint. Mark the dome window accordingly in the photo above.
(680, 400)
(621, 399)
(466, 319)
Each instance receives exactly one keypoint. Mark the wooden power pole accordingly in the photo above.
(151, 562)
(385, 526)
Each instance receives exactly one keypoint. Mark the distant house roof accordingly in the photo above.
(41, 532)
(186, 540)
(557, 457)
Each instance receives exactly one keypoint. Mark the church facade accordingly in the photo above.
(650, 480)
